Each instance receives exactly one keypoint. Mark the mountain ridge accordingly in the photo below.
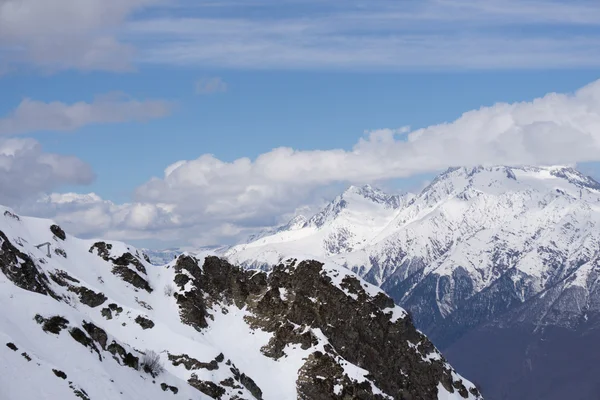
(480, 249)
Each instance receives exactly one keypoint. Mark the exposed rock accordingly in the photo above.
(145, 323)
(321, 374)
(12, 346)
(127, 259)
(247, 382)
(59, 373)
(126, 357)
(96, 333)
(88, 296)
(58, 232)
(26, 356)
(80, 336)
(191, 363)
(130, 276)
(394, 352)
(53, 324)
(21, 269)
(115, 307)
(207, 387)
(79, 392)
(230, 382)
(166, 387)
(11, 215)
(106, 313)
(102, 249)
(61, 278)
(60, 252)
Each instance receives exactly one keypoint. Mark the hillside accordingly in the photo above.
(95, 320)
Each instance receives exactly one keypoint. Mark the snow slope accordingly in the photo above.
(79, 315)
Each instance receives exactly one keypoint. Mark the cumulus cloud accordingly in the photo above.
(64, 34)
(32, 115)
(212, 201)
(210, 85)
(26, 170)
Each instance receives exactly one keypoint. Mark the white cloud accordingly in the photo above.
(32, 115)
(64, 34)
(26, 171)
(210, 200)
(210, 85)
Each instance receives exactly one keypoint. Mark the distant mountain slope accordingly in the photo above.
(480, 250)
(95, 320)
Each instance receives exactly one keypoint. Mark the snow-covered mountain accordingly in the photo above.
(95, 320)
(349, 223)
(476, 245)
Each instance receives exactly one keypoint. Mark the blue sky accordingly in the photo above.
(130, 87)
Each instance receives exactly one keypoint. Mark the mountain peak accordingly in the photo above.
(354, 197)
(502, 178)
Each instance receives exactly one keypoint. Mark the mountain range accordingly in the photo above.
(497, 265)
(95, 320)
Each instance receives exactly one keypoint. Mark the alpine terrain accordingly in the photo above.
(499, 266)
(96, 320)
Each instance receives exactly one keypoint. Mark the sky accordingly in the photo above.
(189, 123)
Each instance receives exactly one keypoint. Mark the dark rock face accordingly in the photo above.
(394, 352)
(130, 276)
(145, 323)
(166, 387)
(112, 307)
(59, 373)
(319, 376)
(129, 259)
(88, 296)
(12, 346)
(191, 363)
(21, 270)
(207, 387)
(53, 324)
(58, 232)
(63, 278)
(127, 358)
(121, 265)
(102, 249)
(79, 336)
(247, 382)
(96, 333)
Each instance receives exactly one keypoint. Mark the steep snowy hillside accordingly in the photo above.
(95, 320)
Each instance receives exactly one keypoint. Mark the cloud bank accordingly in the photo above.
(32, 115)
(26, 171)
(67, 34)
(210, 200)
